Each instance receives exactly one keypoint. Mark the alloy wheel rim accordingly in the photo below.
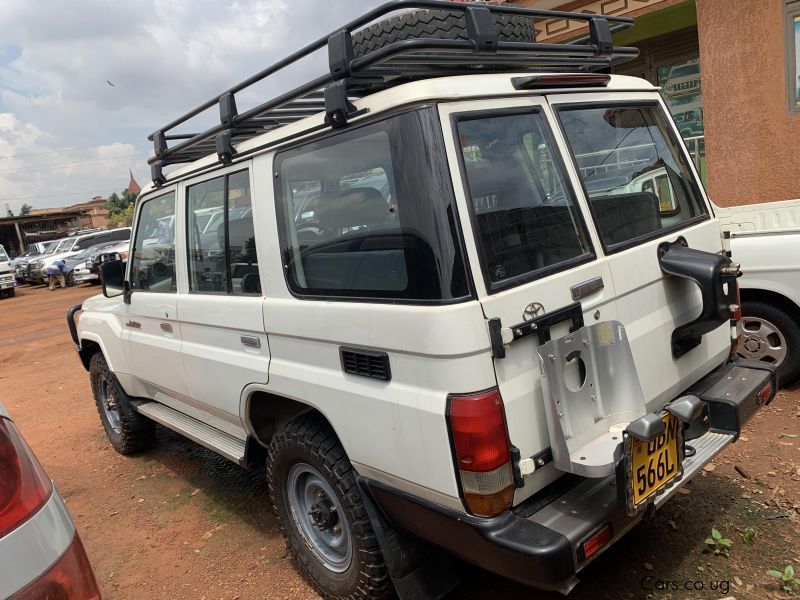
(319, 517)
(761, 340)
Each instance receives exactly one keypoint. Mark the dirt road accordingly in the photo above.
(179, 522)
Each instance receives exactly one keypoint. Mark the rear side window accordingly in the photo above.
(153, 257)
(637, 179)
(222, 243)
(92, 241)
(526, 220)
(369, 213)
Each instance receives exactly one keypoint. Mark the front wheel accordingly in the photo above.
(319, 507)
(768, 333)
(127, 430)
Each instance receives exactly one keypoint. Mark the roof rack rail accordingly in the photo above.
(351, 77)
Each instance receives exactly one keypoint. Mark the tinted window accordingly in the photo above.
(153, 257)
(637, 179)
(92, 241)
(526, 217)
(370, 213)
(119, 235)
(222, 243)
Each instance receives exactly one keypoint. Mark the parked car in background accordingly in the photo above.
(41, 555)
(30, 270)
(87, 269)
(79, 260)
(7, 279)
(70, 246)
(35, 249)
(765, 239)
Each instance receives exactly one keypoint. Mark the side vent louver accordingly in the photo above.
(366, 363)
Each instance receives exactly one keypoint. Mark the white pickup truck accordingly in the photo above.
(7, 280)
(765, 240)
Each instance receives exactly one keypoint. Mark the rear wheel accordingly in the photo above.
(127, 430)
(319, 507)
(770, 334)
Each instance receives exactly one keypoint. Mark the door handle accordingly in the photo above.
(587, 288)
(251, 341)
(166, 327)
(134, 324)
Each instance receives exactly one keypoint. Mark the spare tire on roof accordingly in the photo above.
(442, 24)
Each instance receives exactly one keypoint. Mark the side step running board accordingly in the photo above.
(220, 442)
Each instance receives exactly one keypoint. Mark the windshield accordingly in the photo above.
(51, 247)
(65, 245)
(3, 255)
(91, 250)
(637, 178)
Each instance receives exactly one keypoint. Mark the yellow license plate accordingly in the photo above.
(656, 463)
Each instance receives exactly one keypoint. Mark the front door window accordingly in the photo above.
(153, 257)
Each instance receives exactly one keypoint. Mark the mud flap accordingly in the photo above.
(419, 571)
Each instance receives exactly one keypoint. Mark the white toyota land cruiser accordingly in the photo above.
(434, 302)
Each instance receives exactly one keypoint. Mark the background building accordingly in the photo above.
(729, 73)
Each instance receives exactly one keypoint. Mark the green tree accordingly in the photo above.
(120, 208)
(122, 219)
(25, 209)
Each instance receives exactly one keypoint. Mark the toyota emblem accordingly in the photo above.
(533, 310)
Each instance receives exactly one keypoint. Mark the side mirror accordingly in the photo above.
(112, 276)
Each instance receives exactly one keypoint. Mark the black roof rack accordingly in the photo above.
(352, 77)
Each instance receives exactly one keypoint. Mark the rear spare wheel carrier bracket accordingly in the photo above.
(715, 274)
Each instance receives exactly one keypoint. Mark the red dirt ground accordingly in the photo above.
(179, 522)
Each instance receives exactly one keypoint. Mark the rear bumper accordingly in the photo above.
(536, 543)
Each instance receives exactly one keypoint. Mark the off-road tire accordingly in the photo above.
(135, 431)
(787, 325)
(441, 24)
(309, 439)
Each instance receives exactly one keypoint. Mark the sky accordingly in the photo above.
(83, 82)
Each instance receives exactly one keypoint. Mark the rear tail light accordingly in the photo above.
(481, 449)
(765, 395)
(595, 542)
(71, 577)
(24, 486)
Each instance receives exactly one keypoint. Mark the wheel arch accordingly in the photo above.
(771, 297)
(91, 343)
(264, 412)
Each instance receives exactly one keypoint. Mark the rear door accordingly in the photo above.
(535, 249)
(642, 190)
(224, 343)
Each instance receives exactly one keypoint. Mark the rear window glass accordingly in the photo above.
(370, 213)
(638, 181)
(526, 218)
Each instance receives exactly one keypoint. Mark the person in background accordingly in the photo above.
(55, 270)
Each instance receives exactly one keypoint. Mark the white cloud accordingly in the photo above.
(65, 130)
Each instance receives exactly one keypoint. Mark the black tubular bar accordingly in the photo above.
(393, 64)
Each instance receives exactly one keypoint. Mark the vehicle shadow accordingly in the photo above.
(229, 492)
